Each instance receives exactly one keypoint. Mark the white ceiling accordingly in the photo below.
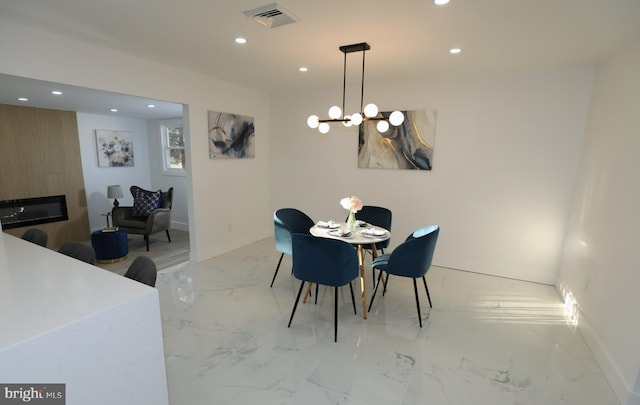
(83, 100)
(409, 38)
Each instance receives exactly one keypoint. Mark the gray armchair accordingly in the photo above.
(157, 221)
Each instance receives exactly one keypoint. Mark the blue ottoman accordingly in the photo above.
(110, 246)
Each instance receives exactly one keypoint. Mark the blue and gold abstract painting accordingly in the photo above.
(408, 146)
(230, 136)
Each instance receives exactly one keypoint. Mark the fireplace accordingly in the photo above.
(33, 211)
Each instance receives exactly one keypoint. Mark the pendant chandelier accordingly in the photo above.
(367, 113)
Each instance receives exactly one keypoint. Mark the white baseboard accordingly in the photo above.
(181, 226)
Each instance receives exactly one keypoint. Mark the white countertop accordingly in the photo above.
(42, 290)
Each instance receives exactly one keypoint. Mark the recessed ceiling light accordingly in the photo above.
(303, 69)
(151, 105)
(440, 2)
(23, 99)
(113, 110)
(240, 40)
(455, 50)
(56, 92)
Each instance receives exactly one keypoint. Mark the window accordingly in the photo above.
(174, 159)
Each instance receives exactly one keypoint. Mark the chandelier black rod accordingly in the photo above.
(344, 82)
(362, 82)
(348, 119)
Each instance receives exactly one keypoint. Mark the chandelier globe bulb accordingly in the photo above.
(335, 112)
(396, 118)
(312, 121)
(382, 126)
(370, 110)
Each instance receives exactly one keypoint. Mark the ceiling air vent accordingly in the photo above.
(272, 15)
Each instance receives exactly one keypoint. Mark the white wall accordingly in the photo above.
(228, 198)
(96, 179)
(601, 254)
(505, 162)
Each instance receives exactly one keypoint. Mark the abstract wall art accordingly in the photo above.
(231, 136)
(408, 146)
(115, 148)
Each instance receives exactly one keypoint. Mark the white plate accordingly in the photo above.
(328, 225)
(372, 233)
(339, 234)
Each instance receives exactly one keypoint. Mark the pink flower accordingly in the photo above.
(352, 203)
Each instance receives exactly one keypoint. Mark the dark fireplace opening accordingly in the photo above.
(33, 211)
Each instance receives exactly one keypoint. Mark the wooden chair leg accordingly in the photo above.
(295, 305)
(277, 268)
(415, 290)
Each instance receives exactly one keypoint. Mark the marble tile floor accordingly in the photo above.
(487, 340)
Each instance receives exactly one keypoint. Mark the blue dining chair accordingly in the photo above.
(410, 259)
(378, 216)
(286, 222)
(329, 262)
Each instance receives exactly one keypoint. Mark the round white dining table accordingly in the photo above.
(367, 235)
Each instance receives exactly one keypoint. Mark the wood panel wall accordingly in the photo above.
(40, 156)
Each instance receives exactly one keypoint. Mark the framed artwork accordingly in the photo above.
(115, 148)
(231, 136)
(408, 146)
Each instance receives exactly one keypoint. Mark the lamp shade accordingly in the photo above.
(114, 191)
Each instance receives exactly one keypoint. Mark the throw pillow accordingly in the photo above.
(145, 202)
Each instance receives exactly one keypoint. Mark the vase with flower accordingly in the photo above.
(353, 204)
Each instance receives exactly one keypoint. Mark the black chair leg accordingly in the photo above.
(335, 314)
(353, 298)
(375, 290)
(146, 239)
(168, 236)
(386, 283)
(427, 289)
(415, 290)
(295, 305)
(277, 268)
(316, 293)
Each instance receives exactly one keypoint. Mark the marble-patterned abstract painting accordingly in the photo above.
(408, 146)
(231, 136)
